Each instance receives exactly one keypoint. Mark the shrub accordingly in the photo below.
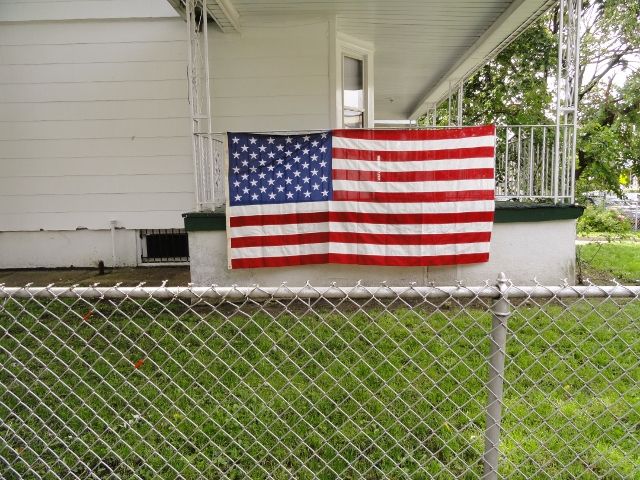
(600, 220)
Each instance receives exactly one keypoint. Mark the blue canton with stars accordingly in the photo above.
(266, 169)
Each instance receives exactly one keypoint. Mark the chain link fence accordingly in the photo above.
(320, 383)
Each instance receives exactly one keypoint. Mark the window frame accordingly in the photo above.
(347, 46)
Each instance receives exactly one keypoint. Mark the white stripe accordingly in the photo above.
(364, 207)
(413, 145)
(361, 249)
(419, 166)
(415, 229)
(414, 187)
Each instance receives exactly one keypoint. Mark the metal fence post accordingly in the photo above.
(501, 311)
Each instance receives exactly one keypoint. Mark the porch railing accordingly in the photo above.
(530, 165)
(533, 165)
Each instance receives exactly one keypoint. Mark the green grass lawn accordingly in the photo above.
(616, 259)
(381, 394)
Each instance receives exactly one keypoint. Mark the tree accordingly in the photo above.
(517, 88)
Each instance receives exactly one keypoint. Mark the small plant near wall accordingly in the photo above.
(603, 222)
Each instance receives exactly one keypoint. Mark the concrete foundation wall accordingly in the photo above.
(544, 250)
(78, 248)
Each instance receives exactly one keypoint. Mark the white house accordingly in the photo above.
(109, 112)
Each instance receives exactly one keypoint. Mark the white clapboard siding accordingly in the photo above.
(271, 78)
(76, 73)
(30, 10)
(139, 202)
(61, 129)
(91, 220)
(94, 124)
(98, 166)
(95, 110)
(92, 184)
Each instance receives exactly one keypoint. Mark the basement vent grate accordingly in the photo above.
(164, 246)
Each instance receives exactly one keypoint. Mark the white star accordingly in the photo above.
(245, 163)
(279, 161)
(236, 155)
(270, 168)
(325, 193)
(254, 196)
(298, 188)
(252, 140)
(323, 135)
(297, 146)
(253, 155)
(306, 138)
(287, 166)
(254, 183)
(288, 153)
(323, 164)
(244, 148)
(323, 149)
(280, 189)
(324, 178)
(279, 174)
(305, 165)
(315, 143)
(253, 169)
(263, 189)
(236, 184)
(305, 179)
(288, 181)
(316, 186)
(289, 195)
(314, 157)
(245, 190)
(288, 139)
(296, 173)
(296, 159)
(235, 139)
(307, 194)
(261, 175)
(280, 147)
(314, 172)
(236, 170)
(271, 154)
(271, 181)
(270, 140)
(262, 163)
(238, 198)
(305, 151)
(244, 176)
(272, 196)
(262, 148)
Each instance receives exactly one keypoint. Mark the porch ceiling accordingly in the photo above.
(419, 44)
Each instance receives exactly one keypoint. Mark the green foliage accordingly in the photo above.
(601, 220)
(517, 88)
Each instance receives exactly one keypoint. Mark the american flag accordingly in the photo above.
(367, 197)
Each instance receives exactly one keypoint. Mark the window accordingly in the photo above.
(353, 75)
(353, 106)
(164, 246)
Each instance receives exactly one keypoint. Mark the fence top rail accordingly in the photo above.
(309, 292)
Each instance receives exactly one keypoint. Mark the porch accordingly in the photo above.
(535, 164)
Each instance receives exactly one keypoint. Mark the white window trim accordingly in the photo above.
(346, 45)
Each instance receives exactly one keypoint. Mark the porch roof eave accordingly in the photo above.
(520, 15)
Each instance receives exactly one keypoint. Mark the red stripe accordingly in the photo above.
(413, 197)
(438, 175)
(357, 217)
(353, 259)
(413, 155)
(418, 134)
(361, 238)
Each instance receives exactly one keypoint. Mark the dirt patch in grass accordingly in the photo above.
(129, 276)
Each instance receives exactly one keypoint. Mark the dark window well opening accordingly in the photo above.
(164, 246)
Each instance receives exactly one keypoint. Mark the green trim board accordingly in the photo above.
(506, 212)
